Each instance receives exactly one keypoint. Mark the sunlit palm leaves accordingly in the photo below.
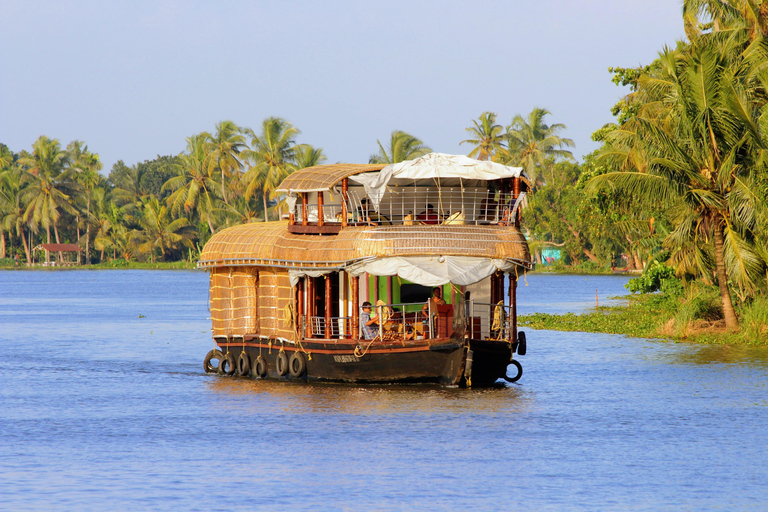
(402, 146)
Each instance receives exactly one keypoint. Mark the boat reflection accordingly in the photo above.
(383, 399)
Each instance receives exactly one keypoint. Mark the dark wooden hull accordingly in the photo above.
(437, 361)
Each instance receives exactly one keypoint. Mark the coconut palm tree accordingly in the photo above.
(193, 189)
(272, 158)
(12, 211)
(402, 146)
(308, 156)
(487, 136)
(49, 190)
(158, 230)
(223, 149)
(531, 142)
(699, 132)
(86, 167)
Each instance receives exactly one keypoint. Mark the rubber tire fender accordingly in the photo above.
(522, 346)
(229, 363)
(282, 364)
(519, 371)
(213, 354)
(244, 364)
(260, 367)
(297, 366)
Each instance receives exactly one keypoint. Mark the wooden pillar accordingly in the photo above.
(512, 308)
(328, 305)
(515, 195)
(389, 289)
(355, 307)
(300, 313)
(320, 216)
(344, 194)
(304, 215)
(310, 304)
(375, 290)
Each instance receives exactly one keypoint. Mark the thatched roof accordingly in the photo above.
(323, 177)
(270, 244)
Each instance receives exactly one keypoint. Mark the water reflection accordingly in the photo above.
(717, 354)
(357, 399)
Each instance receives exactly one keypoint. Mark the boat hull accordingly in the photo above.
(443, 361)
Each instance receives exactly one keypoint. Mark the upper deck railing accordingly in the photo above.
(418, 206)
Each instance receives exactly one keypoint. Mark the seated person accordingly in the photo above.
(365, 212)
(429, 216)
(369, 325)
(408, 333)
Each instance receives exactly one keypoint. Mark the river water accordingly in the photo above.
(104, 406)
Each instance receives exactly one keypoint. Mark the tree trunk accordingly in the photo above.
(589, 254)
(2, 244)
(88, 233)
(264, 199)
(223, 187)
(56, 232)
(731, 321)
(26, 248)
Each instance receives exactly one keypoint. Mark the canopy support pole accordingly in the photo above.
(328, 306)
(355, 307)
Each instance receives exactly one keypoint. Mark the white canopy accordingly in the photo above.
(433, 270)
(434, 166)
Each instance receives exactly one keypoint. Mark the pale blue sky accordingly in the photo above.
(132, 79)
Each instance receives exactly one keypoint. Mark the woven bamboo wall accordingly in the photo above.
(275, 294)
(233, 301)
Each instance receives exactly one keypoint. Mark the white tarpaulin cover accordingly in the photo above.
(434, 166)
(433, 270)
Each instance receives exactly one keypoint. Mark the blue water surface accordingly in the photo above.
(104, 405)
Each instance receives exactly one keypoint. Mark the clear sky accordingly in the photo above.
(132, 79)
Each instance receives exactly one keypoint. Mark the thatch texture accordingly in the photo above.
(323, 177)
(270, 244)
(233, 301)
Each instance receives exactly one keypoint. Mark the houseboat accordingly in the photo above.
(378, 274)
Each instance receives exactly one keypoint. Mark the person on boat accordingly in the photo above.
(436, 300)
(369, 215)
(429, 216)
(369, 325)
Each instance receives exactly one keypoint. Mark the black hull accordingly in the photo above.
(444, 362)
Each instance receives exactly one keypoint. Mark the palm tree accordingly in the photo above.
(402, 146)
(48, 190)
(160, 231)
(271, 158)
(530, 142)
(13, 208)
(487, 136)
(223, 149)
(193, 189)
(697, 127)
(86, 166)
(308, 156)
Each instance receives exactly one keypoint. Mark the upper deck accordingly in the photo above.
(341, 214)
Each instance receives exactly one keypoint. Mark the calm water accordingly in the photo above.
(103, 410)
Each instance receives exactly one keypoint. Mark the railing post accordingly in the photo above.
(344, 186)
(328, 306)
(515, 195)
(355, 327)
(512, 308)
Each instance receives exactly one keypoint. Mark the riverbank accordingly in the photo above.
(663, 317)
(9, 264)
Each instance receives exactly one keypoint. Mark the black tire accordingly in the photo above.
(228, 365)
(213, 354)
(260, 367)
(282, 364)
(519, 372)
(297, 365)
(244, 364)
(522, 346)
